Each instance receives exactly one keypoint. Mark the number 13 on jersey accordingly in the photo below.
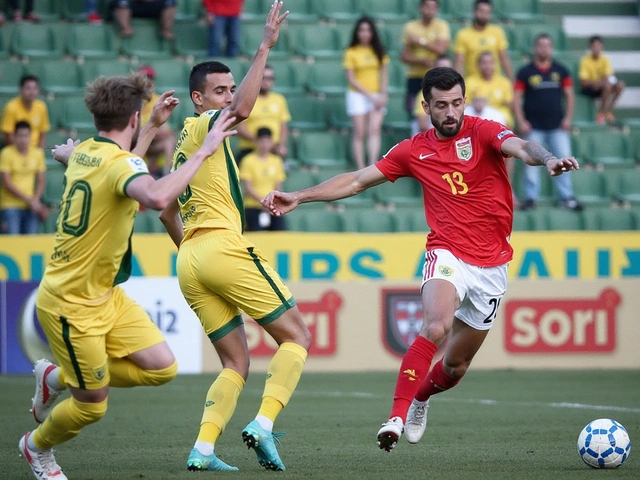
(456, 182)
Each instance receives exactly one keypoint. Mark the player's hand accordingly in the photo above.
(279, 203)
(162, 108)
(61, 153)
(274, 20)
(525, 128)
(218, 133)
(558, 166)
(565, 124)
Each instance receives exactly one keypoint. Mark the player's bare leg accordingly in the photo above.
(439, 301)
(464, 343)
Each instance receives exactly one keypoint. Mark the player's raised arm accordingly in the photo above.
(533, 153)
(341, 186)
(159, 116)
(248, 91)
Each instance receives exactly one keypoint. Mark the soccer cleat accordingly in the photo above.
(416, 421)
(45, 396)
(43, 464)
(200, 462)
(264, 444)
(390, 433)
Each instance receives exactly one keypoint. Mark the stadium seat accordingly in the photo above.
(47, 10)
(388, 10)
(306, 113)
(191, 39)
(338, 10)
(584, 113)
(519, 11)
(327, 78)
(58, 77)
(75, 115)
(108, 68)
(55, 184)
(287, 77)
(189, 11)
(322, 149)
(538, 219)
(615, 219)
(404, 191)
(146, 44)
(74, 10)
(10, 73)
(251, 36)
(521, 221)
(317, 41)
(523, 37)
(92, 42)
(55, 107)
(461, 9)
(154, 223)
(374, 221)
(608, 148)
(36, 41)
(336, 112)
(397, 117)
(560, 219)
(322, 221)
(294, 220)
(298, 180)
(171, 75)
(301, 12)
(397, 78)
(590, 188)
(628, 187)
(391, 36)
(141, 222)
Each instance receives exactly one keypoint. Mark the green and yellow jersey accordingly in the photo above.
(213, 198)
(92, 250)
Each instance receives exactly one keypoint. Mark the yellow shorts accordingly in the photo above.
(221, 272)
(82, 337)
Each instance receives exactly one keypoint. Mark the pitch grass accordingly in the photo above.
(494, 425)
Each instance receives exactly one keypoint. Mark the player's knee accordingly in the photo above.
(89, 412)
(434, 332)
(455, 369)
(162, 376)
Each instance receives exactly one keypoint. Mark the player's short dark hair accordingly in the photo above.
(28, 78)
(199, 72)
(442, 78)
(264, 132)
(595, 38)
(540, 36)
(481, 2)
(21, 125)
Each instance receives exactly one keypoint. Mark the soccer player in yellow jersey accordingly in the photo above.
(221, 272)
(100, 337)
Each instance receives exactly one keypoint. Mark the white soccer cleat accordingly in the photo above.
(390, 433)
(45, 396)
(43, 464)
(416, 421)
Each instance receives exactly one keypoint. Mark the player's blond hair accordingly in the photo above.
(112, 100)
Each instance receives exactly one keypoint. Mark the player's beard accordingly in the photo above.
(448, 130)
(134, 139)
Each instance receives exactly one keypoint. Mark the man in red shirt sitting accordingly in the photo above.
(223, 17)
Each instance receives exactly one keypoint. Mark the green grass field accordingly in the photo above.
(494, 425)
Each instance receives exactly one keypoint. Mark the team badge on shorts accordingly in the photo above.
(463, 149)
(100, 372)
(446, 271)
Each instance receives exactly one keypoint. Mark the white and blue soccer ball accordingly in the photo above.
(604, 443)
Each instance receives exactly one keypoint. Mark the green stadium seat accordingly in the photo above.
(191, 39)
(387, 10)
(338, 10)
(5, 41)
(92, 42)
(538, 218)
(404, 191)
(397, 117)
(318, 41)
(253, 11)
(322, 149)
(615, 219)
(172, 75)
(36, 41)
(590, 188)
(47, 10)
(55, 106)
(336, 112)
(628, 187)
(10, 74)
(584, 113)
(301, 12)
(306, 113)
(58, 77)
(74, 10)
(461, 9)
(521, 221)
(107, 68)
(146, 43)
(50, 224)
(397, 78)
(327, 78)
(75, 115)
(608, 148)
(524, 36)
(294, 220)
(322, 221)
(251, 36)
(55, 184)
(299, 180)
(287, 77)
(141, 222)
(189, 11)
(154, 223)
(560, 219)
(391, 36)
(519, 11)
(373, 221)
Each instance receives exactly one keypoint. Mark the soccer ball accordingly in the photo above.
(604, 443)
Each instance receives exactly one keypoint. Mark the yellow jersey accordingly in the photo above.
(92, 251)
(213, 198)
(270, 111)
(147, 108)
(471, 42)
(365, 65)
(498, 91)
(418, 111)
(264, 175)
(594, 69)
(438, 29)
(23, 170)
(37, 116)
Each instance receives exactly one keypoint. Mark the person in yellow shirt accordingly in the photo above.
(423, 41)
(481, 36)
(23, 180)
(100, 337)
(271, 110)
(598, 80)
(365, 63)
(488, 84)
(29, 108)
(261, 172)
(422, 121)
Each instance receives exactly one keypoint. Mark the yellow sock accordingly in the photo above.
(283, 375)
(222, 398)
(61, 380)
(123, 373)
(66, 420)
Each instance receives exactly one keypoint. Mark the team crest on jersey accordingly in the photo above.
(446, 271)
(463, 149)
(100, 372)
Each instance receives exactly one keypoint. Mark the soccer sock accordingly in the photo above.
(65, 422)
(124, 373)
(56, 380)
(283, 375)
(414, 368)
(437, 381)
(219, 406)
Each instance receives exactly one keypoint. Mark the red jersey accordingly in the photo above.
(224, 8)
(467, 195)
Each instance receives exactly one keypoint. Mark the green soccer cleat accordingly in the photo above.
(264, 444)
(199, 462)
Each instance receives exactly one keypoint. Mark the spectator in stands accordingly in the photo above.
(261, 172)
(365, 63)
(479, 37)
(160, 152)
(124, 10)
(271, 111)
(223, 17)
(597, 80)
(91, 11)
(423, 41)
(16, 11)
(492, 87)
(543, 84)
(22, 167)
(480, 107)
(422, 121)
(29, 108)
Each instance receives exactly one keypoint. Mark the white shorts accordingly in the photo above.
(480, 290)
(358, 104)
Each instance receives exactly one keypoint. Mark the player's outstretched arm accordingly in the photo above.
(170, 218)
(159, 116)
(61, 153)
(341, 186)
(157, 194)
(533, 153)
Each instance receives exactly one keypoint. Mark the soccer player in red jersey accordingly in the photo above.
(468, 205)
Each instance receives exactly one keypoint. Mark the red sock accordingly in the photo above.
(437, 381)
(414, 368)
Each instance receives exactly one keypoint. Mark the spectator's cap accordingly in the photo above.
(264, 132)
(148, 70)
